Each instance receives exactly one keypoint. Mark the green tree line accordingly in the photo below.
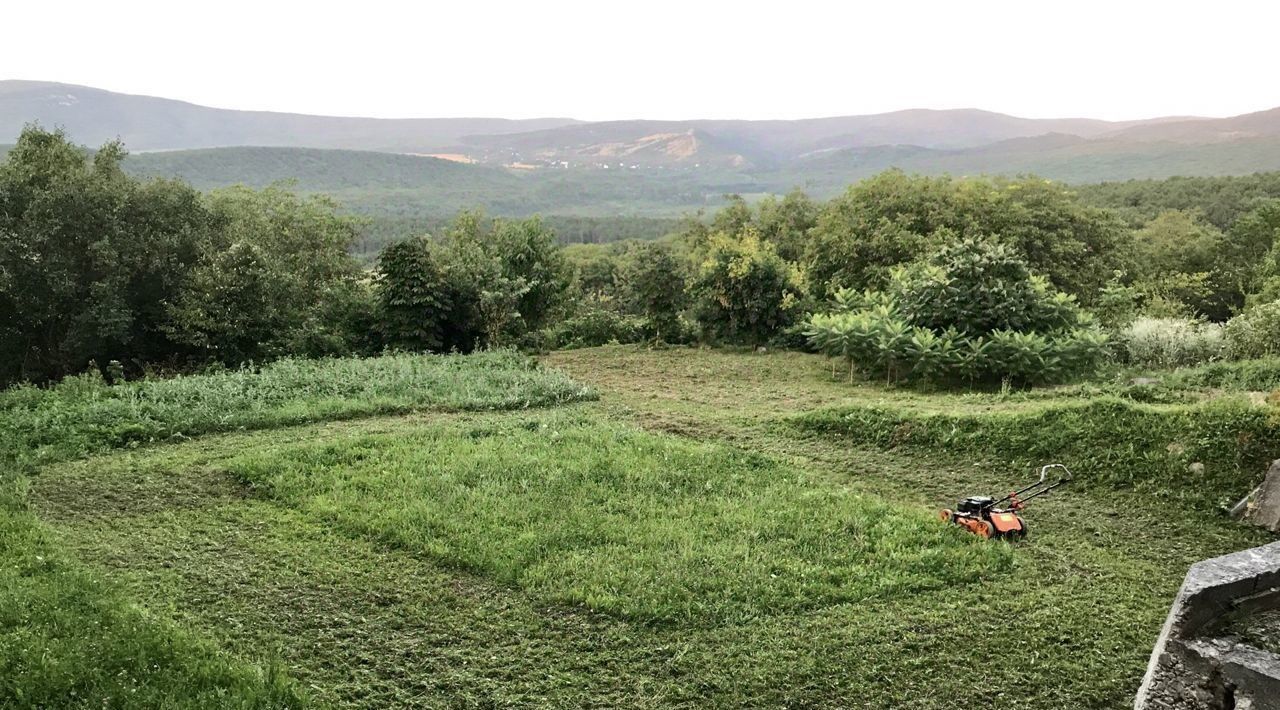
(101, 267)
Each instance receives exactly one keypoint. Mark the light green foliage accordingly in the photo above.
(1117, 303)
(624, 522)
(971, 312)
(1261, 375)
(1171, 342)
(1254, 333)
(786, 222)
(744, 292)
(83, 415)
(1259, 232)
(1185, 264)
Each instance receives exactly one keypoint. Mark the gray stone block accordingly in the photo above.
(1191, 669)
(1264, 509)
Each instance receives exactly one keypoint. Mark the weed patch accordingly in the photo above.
(83, 415)
(1261, 375)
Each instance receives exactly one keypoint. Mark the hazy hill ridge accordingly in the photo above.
(609, 168)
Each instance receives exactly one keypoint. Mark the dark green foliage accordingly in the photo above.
(414, 295)
(272, 281)
(1256, 241)
(97, 266)
(1108, 442)
(653, 286)
(1222, 200)
(592, 325)
(1207, 272)
(894, 218)
(87, 257)
(487, 283)
(744, 292)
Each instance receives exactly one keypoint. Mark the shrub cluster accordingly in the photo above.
(972, 312)
(1171, 342)
(1254, 333)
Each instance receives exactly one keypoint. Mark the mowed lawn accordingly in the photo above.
(673, 544)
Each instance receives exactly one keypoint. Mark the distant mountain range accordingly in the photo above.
(144, 123)
(621, 167)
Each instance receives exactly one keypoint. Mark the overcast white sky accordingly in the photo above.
(661, 59)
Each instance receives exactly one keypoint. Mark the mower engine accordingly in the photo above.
(991, 518)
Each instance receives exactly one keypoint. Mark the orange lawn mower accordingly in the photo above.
(1001, 519)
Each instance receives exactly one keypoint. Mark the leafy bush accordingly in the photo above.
(1254, 333)
(653, 285)
(745, 292)
(894, 218)
(972, 312)
(1172, 342)
(594, 325)
(488, 283)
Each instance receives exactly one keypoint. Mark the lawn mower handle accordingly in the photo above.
(1038, 488)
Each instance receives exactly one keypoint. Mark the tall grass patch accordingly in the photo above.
(84, 415)
(633, 524)
(1204, 455)
(1261, 375)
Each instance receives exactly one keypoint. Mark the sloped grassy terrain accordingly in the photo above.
(1204, 455)
(625, 522)
(68, 637)
(684, 540)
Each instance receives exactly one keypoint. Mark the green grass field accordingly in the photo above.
(618, 527)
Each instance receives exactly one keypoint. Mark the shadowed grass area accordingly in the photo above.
(82, 415)
(69, 639)
(630, 523)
